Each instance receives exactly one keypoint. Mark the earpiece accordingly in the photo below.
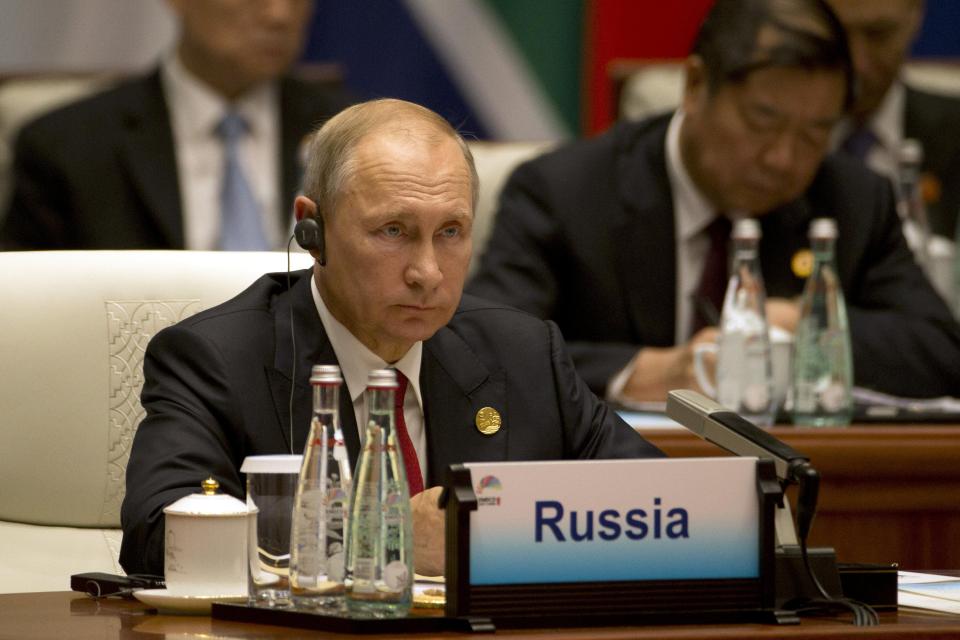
(309, 235)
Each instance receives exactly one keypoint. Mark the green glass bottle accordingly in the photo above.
(822, 358)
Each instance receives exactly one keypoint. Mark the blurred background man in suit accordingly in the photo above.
(614, 237)
(201, 153)
(887, 110)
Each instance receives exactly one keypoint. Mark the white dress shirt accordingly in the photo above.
(195, 110)
(357, 361)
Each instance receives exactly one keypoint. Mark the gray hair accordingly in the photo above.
(330, 161)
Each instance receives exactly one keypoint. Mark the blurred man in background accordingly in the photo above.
(622, 239)
(887, 110)
(201, 153)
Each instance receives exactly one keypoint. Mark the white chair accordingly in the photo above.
(495, 161)
(656, 86)
(73, 329)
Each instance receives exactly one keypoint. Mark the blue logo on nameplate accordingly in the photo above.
(543, 522)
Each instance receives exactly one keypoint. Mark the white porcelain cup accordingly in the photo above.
(781, 356)
(206, 538)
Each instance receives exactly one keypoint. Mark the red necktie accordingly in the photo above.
(713, 278)
(414, 476)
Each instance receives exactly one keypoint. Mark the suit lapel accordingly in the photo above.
(455, 386)
(296, 310)
(644, 236)
(148, 154)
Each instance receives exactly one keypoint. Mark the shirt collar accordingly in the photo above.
(887, 121)
(693, 212)
(198, 108)
(357, 361)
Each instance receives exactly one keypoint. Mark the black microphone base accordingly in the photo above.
(793, 582)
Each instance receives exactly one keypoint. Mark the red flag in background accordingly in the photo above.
(630, 29)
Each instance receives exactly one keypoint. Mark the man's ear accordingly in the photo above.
(695, 86)
(304, 207)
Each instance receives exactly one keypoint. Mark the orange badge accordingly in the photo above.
(930, 188)
(802, 263)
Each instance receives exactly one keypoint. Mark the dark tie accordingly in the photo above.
(859, 142)
(414, 476)
(708, 300)
(241, 228)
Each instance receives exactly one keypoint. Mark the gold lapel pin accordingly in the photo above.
(488, 421)
(802, 263)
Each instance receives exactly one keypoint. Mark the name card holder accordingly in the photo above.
(519, 589)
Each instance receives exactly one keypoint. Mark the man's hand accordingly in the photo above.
(783, 313)
(428, 533)
(657, 370)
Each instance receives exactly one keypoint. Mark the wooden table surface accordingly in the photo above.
(73, 616)
(889, 493)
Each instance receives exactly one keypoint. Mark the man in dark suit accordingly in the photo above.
(612, 237)
(888, 111)
(144, 165)
(394, 189)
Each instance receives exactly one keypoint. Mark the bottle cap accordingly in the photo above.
(747, 229)
(910, 152)
(823, 229)
(325, 374)
(383, 378)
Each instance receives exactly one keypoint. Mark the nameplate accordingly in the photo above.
(605, 520)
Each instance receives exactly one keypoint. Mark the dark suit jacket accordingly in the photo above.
(101, 173)
(217, 386)
(585, 236)
(934, 120)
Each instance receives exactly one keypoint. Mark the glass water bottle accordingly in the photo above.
(822, 360)
(317, 552)
(744, 370)
(380, 532)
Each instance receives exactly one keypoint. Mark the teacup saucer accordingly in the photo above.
(166, 602)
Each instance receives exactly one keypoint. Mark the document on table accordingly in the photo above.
(875, 406)
(928, 591)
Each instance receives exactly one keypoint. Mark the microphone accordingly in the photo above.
(729, 431)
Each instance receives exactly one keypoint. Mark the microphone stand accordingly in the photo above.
(797, 582)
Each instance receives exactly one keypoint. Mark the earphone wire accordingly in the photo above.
(293, 344)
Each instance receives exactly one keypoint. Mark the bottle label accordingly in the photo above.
(396, 575)
(335, 561)
(308, 522)
(363, 569)
(743, 373)
(833, 398)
